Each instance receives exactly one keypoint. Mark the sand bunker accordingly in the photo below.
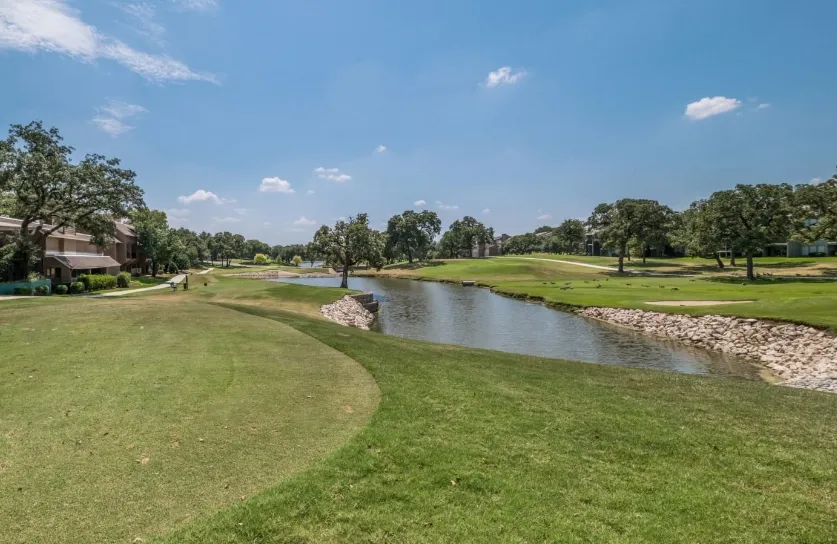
(696, 302)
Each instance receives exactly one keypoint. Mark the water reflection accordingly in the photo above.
(470, 316)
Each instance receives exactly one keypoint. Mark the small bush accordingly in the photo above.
(260, 258)
(97, 282)
(123, 279)
(24, 291)
(41, 290)
(76, 287)
(297, 260)
(60, 289)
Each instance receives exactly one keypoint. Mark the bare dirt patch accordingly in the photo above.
(697, 302)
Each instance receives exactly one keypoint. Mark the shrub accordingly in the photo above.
(260, 258)
(60, 289)
(41, 290)
(296, 260)
(76, 287)
(24, 291)
(123, 279)
(98, 282)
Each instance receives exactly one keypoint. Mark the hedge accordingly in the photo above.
(97, 282)
(76, 287)
(60, 289)
(24, 291)
(41, 290)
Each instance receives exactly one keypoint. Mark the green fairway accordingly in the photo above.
(476, 446)
(120, 419)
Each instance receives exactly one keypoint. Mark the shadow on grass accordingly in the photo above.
(414, 266)
(768, 281)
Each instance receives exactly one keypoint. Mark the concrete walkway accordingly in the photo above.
(610, 268)
(165, 285)
(207, 271)
(12, 297)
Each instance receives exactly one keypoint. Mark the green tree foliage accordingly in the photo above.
(569, 236)
(467, 232)
(297, 260)
(411, 233)
(816, 211)
(617, 223)
(45, 190)
(522, 244)
(261, 258)
(312, 253)
(544, 228)
(252, 247)
(752, 216)
(152, 228)
(349, 243)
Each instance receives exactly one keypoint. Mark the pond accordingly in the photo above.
(475, 317)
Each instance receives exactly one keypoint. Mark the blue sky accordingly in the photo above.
(270, 118)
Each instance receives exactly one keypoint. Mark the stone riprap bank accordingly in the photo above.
(348, 311)
(798, 355)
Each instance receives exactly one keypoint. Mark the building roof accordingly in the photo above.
(12, 224)
(82, 262)
(126, 229)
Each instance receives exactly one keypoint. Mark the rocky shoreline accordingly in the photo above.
(798, 355)
(349, 312)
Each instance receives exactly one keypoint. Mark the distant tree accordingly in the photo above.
(349, 243)
(753, 216)
(617, 223)
(448, 246)
(238, 246)
(44, 189)
(252, 247)
(312, 253)
(655, 227)
(152, 228)
(297, 260)
(521, 244)
(468, 232)
(816, 211)
(700, 232)
(569, 236)
(544, 228)
(412, 232)
(224, 247)
(260, 258)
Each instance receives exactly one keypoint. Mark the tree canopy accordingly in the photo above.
(350, 243)
(411, 233)
(619, 222)
(47, 191)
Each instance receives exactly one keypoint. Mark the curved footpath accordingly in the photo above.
(799, 355)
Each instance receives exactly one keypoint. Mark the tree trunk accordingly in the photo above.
(750, 272)
(719, 261)
(410, 257)
(153, 268)
(344, 283)
(732, 258)
(622, 259)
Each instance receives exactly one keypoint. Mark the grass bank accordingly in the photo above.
(477, 446)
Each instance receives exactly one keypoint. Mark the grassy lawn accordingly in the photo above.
(476, 446)
(229, 414)
(120, 419)
(803, 300)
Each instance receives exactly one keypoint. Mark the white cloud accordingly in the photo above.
(544, 217)
(486, 211)
(55, 27)
(304, 222)
(227, 219)
(419, 203)
(381, 148)
(177, 212)
(816, 181)
(503, 76)
(707, 107)
(110, 118)
(241, 211)
(310, 192)
(296, 229)
(196, 5)
(200, 195)
(332, 174)
(275, 185)
(446, 206)
(763, 106)
(144, 13)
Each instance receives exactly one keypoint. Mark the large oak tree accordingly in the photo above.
(47, 191)
(350, 243)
